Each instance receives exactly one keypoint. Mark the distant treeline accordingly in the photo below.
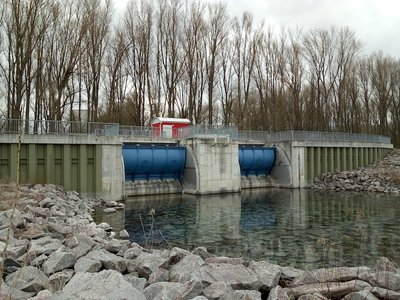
(69, 59)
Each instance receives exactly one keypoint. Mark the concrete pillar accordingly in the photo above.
(13, 162)
(331, 159)
(83, 171)
(67, 167)
(350, 159)
(49, 163)
(343, 159)
(362, 163)
(317, 161)
(312, 159)
(324, 164)
(217, 166)
(356, 158)
(375, 154)
(32, 163)
(338, 159)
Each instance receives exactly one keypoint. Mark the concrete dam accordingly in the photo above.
(111, 161)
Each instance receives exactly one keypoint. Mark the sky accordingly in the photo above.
(375, 22)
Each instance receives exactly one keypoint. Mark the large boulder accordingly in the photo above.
(109, 261)
(242, 294)
(107, 285)
(58, 261)
(147, 263)
(28, 279)
(185, 268)
(163, 290)
(89, 265)
(268, 274)
(237, 276)
(216, 290)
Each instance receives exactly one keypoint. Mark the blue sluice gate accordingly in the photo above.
(256, 160)
(153, 161)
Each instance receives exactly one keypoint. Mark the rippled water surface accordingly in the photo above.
(302, 228)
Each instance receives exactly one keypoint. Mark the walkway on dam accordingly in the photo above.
(147, 133)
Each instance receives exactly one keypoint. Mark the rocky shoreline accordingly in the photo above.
(52, 249)
(382, 177)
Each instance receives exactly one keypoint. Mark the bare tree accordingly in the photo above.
(217, 35)
(170, 62)
(22, 31)
(294, 80)
(319, 53)
(246, 43)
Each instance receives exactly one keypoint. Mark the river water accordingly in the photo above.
(301, 228)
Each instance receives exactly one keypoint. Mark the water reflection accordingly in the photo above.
(302, 228)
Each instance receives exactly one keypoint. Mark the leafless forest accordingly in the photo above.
(62, 58)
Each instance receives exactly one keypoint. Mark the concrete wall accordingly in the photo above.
(299, 162)
(212, 166)
(90, 165)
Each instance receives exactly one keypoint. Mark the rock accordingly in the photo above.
(202, 252)
(361, 295)
(42, 295)
(138, 283)
(216, 290)
(116, 246)
(58, 261)
(225, 260)
(8, 292)
(123, 234)
(108, 260)
(158, 276)
(339, 274)
(45, 245)
(89, 265)
(15, 252)
(133, 252)
(81, 250)
(175, 255)
(330, 289)
(71, 242)
(28, 279)
(38, 261)
(109, 210)
(58, 228)
(384, 264)
(146, 263)
(105, 226)
(191, 289)
(384, 293)
(383, 279)
(17, 220)
(184, 269)
(279, 293)
(241, 294)
(237, 276)
(58, 280)
(291, 273)
(316, 296)
(10, 266)
(163, 290)
(268, 274)
(107, 284)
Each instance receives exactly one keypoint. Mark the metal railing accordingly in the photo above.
(57, 127)
(313, 136)
(195, 131)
